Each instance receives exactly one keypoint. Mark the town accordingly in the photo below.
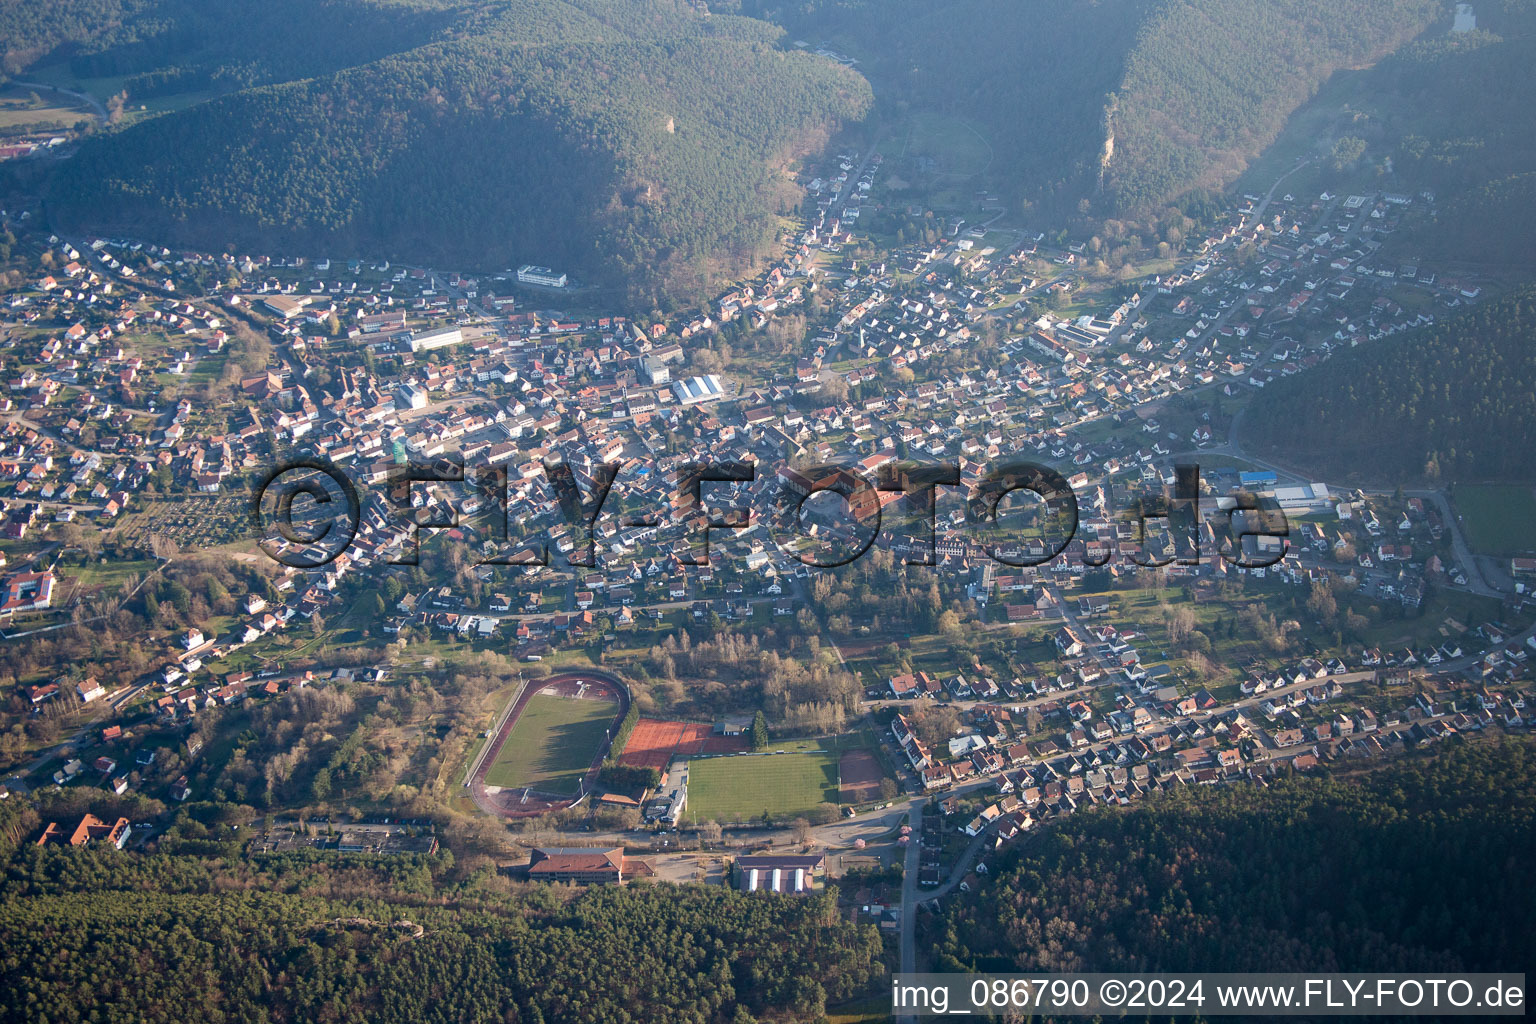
(150, 389)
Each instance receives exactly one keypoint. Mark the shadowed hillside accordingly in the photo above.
(626, 143)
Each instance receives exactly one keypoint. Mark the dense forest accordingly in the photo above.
(637, 143)
(1438, 404)
(1491, 225)
(1405, 870)
(1446, 118)
(1457, 112)
(1209, 83)
(634, 144)
(29, 31)
(207, 934)
(1033, 76)
(1132, 102)
(215, 44)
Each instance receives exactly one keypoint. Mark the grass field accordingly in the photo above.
(31, 110)
(743, 787)
(60, 74)
(552, 745)
(1500, 519)
(946, 144)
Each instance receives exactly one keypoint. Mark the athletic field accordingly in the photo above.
(742, 787)
(552, 744)
(1499, 519)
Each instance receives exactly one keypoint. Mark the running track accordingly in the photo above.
(512, 803)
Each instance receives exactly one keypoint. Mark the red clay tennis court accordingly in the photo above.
(654, 742)
(859, 776)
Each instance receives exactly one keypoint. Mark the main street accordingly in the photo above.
(910, 898)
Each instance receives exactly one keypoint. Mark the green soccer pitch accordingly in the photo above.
(551, 745)
(742, 787)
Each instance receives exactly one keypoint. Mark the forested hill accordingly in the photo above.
(1209, 83)
(1144, 99)
(1442, 403)
(1408, 870)
(98, 934)
(633, 143)
(636, 141)
(1462, 111)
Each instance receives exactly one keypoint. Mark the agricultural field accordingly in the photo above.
(24, 109)
(551, 745)
(740, 788)
(103, 88)
(1499, 519)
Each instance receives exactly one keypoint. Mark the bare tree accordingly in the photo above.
(1181, 622)
(163, 547)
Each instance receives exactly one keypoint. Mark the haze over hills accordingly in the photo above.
(626, 143)
(173, 45)
(1459, 110)
(1133, 102)
(642, 143)
(478, 750)
(1446, 118)
(639, 143)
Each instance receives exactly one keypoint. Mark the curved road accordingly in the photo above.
(532, 802)
(1258, 212)
(1477, 583)
(85, 98)
(911, 896)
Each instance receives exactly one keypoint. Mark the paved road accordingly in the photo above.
(20, 419)
(844, 194)
(910, 898)
(963, 863)
(1460, 549)
(1469, 660)
(86, 98)
(1471, 568)
(1258, 213)
(4, 636)
(596, 609)
(67, 746)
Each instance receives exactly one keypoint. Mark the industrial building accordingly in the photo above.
(775, 873)
(586, 865)
(429, 340)
(698, 390)
(410, 396)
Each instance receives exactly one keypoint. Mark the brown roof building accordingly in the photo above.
(585, 865)
(90, 830)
